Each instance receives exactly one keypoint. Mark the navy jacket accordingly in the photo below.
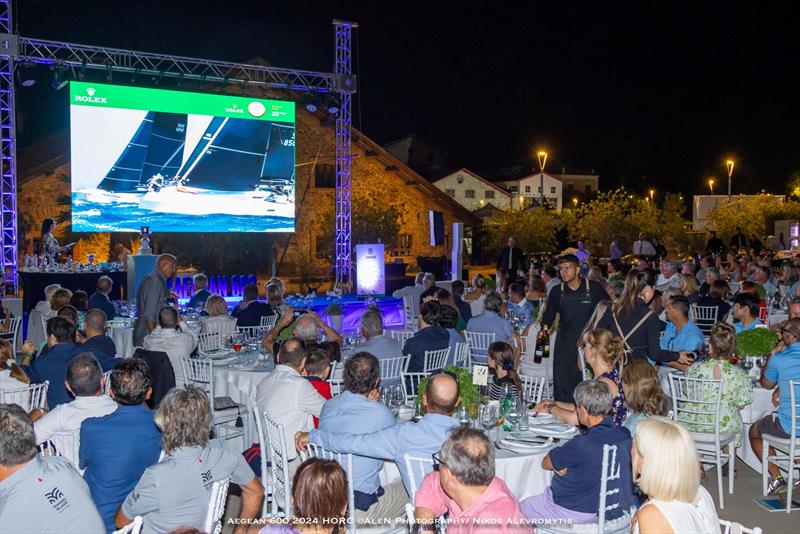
(100, 346)
(100, 301)
(199, 299)
(430, 338)
(251, 314)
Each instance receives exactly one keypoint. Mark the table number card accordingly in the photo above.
(480, 375)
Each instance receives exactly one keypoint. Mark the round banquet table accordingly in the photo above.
(123, 339)
(34, 283)
(761, 407)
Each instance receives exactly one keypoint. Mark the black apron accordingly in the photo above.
(574, 310)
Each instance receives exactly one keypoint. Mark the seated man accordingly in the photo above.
(578, 463)
(116, 449)
(430, 336)
(413, 292)
(745, 312)
(176, 491)
(198, 300)
(681, 336)
(100, 300)
(357, 409)
(429, 287)
(306, 328)
(288, 398)
(317, 370)
(519, 306)
(250, 310)
(52, 365)
(173, 337)
(464, 487)
(420, 439)
(39, 494)
(780, 368)
(490, 321)
(97, 342)
(85, 382)
(377, 343)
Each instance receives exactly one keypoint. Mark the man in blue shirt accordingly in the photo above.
(781, 368)
(490, 321)
(100, 300)
(680, 336)
(745, 312)
(519, 306)
(577, 465)
(430, 336)
(116, 449)
(419, 440)
(198, 300)
(52, 365)
(357, 408)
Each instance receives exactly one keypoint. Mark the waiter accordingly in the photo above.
(511, 260)
(574, 301)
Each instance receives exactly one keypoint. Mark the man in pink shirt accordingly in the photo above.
(464, 486)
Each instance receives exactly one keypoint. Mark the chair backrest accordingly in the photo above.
(410, 381)
(392, 368)
(252, 332)
(417, 467)
(461, 357)
(400, 335)
(15, 331)
(33, 396)
(435, 359)
(65, 444)
(216, 506)
(612, 470)
(281, 481)
(335, 380)
(794, 401)
(199, 373)
(134, 527)
(346, 461)
(408, 312)
(479, 345)
(532, 388)
(730, 527)
(268, 321)
(106, 382)
(210, 341)
(262, 445)
(704, 316)
(696, 402)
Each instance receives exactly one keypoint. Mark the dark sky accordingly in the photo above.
(662, 90)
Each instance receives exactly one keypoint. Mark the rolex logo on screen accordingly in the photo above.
(90, 98)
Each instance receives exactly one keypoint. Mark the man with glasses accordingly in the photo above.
(780, 368)
(463, 485)
(573, 300)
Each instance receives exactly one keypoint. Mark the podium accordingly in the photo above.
(138, 269)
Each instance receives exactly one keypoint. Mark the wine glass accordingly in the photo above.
(489, 417)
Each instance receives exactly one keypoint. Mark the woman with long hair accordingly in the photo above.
(643, 394)
(667, 468)
(218, 320)
(501, 359)
(49, 244)
(476, 294)
(603, 352)
(274, 294)
(319, 500)
(689, 286)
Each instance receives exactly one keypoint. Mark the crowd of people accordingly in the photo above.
(143, 434)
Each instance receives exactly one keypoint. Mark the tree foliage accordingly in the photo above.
(754, 214)
(535, 230)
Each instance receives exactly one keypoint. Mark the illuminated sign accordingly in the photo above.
(370, 273)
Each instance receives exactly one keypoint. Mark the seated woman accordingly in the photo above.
(319, 500)
(443, 297)
(536, 292)
(476, 294)
(716, 297)
(175, 492)
(643, 394)
(61, 297)
(80, 301)
(689, 287)
(505, 377)
(218, 320)
(274, 293)
(12, 377)
(603, 353)
(738, 390)
(676, 502)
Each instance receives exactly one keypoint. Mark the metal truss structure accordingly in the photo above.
(15, 49)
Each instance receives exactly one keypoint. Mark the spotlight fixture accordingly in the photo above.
(333, 107)
(25, 76)
(311, 107)
(58, 82)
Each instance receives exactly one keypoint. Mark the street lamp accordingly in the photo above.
(575, 201)
(711, 185)
(729, 165)
(652, 192)
(542, 155)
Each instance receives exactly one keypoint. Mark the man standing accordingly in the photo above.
(738, 241)
(100, 300)
(574, 301)
(614, 250)
(714, 245)
(152, 296)
(511, 260)
(643, 247)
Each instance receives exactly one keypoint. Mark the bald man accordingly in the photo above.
(420, 439)
(152, 296)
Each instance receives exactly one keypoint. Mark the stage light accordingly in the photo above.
(58, 82)
(333, 107)
(311, 107)
(26, 76)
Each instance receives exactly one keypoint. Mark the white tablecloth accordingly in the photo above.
(761, 406)
(123, 339)
(238, 384)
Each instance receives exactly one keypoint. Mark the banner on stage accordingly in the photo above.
(370, 273)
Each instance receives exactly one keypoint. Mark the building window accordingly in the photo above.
(552, 190)
(527, 189)
(450, 193)
(489, 193)
(325, 176)
(403, 245)
(513, 188)
(469, 193)
(539, 189)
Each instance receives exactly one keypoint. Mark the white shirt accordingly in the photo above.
(698, 516)
(67, 418)
(222, 324)
(175, 343)
(674, 281)
(10, 384)
(289, 400)
(643, 248)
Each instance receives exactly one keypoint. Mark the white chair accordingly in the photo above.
(216, 506)
(392, 368)
(106, 382)
(268, 321)
(346, 461)
(527, 349)
(252, 332)
(200, 373)
(461, 357)
(704, 316)
(417, 468)
(15, 331)
(65, 444)
(410, 381)
(335, 381)
(729, 527)
(408, 313)
(479, 346)
(265, 479)
(210, 341)
(696, 405)
(400, 335)
(532, 388)
(134, 527)
(435, 360)
(29, 398)
(281, 481)
(786, 450)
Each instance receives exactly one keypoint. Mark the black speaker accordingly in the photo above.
(436, 221)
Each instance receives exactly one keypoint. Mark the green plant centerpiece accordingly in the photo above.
(469, 392)
(755, 342)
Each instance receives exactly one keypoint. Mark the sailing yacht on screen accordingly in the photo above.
(239, 167)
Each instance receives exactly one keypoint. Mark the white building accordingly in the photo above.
(472, 191)
(528, 189)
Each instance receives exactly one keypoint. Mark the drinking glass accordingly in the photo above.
(489, 418)
(399, 395)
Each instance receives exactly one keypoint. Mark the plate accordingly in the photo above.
(246, 366)
(518, 447)
(554, 430)
(221, 362)
(540, 418)
(216, 354)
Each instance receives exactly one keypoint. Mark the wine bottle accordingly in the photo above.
(545, 342)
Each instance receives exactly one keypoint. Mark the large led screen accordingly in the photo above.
(180, 162)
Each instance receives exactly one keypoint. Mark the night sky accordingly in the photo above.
(662, 90)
